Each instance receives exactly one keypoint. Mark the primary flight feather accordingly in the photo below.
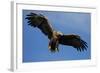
(55, 37)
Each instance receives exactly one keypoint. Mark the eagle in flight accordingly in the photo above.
(55, 38)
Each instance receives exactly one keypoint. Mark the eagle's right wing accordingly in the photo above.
(40, 21)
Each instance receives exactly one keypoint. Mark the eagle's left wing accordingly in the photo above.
(73, 40)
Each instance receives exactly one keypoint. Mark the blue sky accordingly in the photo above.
(35, 43)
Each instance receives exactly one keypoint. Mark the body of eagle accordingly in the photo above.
(55, 37)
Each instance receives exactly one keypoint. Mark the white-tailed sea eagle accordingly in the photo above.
(55, 37)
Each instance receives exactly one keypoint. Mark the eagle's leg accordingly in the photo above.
(50, 44)
(57, 44)
(53, 45)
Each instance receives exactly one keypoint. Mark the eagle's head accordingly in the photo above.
(57, 34)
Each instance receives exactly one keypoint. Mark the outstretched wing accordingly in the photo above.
(73, 40)
(40, 21)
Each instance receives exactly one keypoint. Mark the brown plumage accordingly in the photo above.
(56, 38)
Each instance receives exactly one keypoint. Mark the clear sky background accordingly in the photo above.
(35, 43)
